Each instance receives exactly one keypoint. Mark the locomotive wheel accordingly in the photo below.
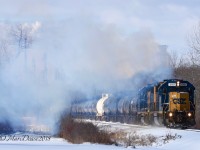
(158, 119)
(143, 119)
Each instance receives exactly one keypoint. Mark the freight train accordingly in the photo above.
(170, 103)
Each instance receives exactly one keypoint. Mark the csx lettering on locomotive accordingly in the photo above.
(179, 101)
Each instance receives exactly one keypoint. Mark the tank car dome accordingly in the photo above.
(100, 104)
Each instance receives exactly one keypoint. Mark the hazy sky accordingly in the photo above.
(170, 21)
(88, 46)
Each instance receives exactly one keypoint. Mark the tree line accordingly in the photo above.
(187, 66)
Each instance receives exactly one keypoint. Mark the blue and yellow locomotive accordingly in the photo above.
(170, 102)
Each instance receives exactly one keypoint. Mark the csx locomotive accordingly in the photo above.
(170, 103)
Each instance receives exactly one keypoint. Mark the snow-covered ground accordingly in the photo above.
(33, 142)
(188, 140)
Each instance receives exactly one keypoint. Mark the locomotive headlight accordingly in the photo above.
(189, 114)
(178, 83)
(170, 114)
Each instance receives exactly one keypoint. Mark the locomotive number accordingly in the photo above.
(179, 101)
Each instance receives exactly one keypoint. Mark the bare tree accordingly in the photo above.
(194, 43)
(173, 59)
(23, 35)
(192, 71)
(187, 67)
(5, 45)
(176, 61)
(4, 56)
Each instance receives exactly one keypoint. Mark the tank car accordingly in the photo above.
(110, 108)
(123, 108)
(107, 108)
(100, 105)
(84, 110)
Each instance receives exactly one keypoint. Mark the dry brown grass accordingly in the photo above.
(79, 132)
(170, 136)
(134, 139)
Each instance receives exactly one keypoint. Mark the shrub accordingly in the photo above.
(134, 139)
(79, 132)
(5, 128)
(170, 136)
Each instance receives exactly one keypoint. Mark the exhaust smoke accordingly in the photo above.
(78, 58)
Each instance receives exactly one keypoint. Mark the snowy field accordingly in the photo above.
(37, 142)
(188, 140)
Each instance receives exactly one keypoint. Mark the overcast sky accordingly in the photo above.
(170, 21)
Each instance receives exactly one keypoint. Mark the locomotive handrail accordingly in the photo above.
(166, 106)
(192, 105)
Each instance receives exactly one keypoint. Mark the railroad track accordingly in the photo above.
(194, 130)
(122, 126)
(132, 126)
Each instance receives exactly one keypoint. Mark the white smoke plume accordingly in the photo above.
(76, 56)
